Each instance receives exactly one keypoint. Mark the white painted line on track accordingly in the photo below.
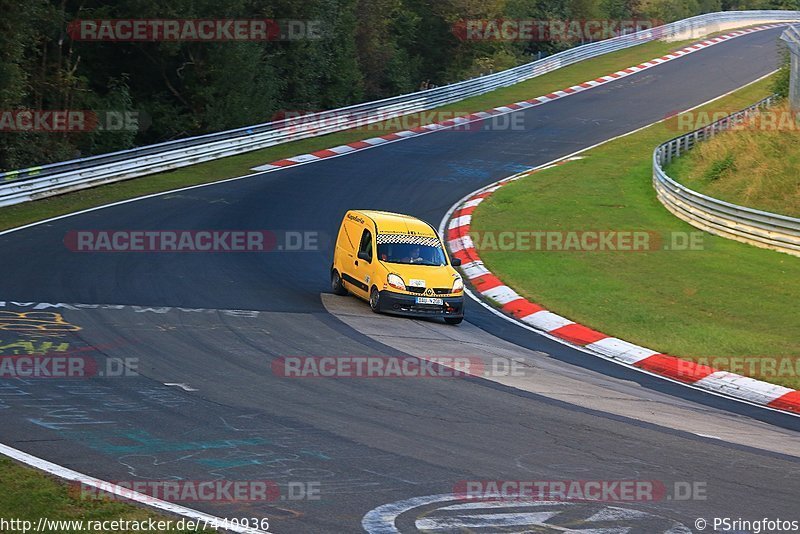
(383, 519)
(456, 523)
(106, 487)
(182, 385)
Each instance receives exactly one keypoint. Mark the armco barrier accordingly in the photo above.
(57, 178)
(748, 225)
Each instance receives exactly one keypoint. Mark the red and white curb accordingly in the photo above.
(356, 146)
(569, 332)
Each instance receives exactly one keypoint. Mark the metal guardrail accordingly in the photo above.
(748, 225)
(57, 178)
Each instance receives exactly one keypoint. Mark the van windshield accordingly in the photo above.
(411, 254)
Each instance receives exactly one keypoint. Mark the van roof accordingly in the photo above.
(397, 223)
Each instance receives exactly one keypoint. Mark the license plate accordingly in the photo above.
(428, 300)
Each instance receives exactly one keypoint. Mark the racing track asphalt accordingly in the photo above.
(369, 442)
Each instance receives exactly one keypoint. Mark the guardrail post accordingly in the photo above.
(792, 38)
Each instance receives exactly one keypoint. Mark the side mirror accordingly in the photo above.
(364, 256)
(456, 262)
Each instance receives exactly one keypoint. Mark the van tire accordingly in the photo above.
(337, 285)
(453, 320)
(375, 300)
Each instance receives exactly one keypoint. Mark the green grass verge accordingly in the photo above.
(29, 494)
(756, 165)
(726, 300)
(233, 166)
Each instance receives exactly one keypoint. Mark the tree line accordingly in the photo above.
(365, 49)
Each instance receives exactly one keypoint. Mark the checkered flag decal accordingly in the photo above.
(406, 239)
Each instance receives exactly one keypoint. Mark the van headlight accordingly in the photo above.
(458, 285)
(396, 282)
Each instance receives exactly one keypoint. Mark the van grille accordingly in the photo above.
(436, 290)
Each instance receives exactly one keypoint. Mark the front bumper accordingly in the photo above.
(401, 304)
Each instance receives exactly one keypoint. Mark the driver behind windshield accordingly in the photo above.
(411, 254)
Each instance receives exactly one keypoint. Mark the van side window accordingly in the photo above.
(366, 244)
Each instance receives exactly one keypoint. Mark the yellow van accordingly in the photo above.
(397, 263)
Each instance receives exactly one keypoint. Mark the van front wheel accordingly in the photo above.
(375, 300)
(336, 284)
